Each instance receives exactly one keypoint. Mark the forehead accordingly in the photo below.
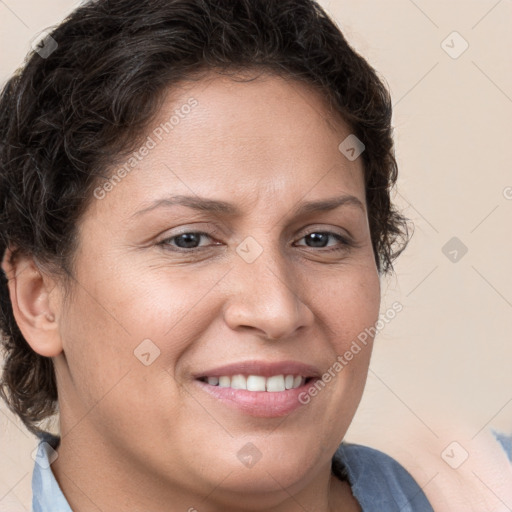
(252, 140)
(263, 107)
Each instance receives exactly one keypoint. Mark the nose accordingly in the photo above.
(265, 297)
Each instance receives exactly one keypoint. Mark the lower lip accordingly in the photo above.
(262, 404)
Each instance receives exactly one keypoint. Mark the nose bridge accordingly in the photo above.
(265, 295)
(271, 273)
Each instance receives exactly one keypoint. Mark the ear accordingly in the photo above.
(29, 291)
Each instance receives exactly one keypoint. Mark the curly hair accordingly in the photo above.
(66, 118)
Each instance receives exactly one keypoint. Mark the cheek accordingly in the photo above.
(107, 378)
(96, 346)
(351, 306)
(127, 316)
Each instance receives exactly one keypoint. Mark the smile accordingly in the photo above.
(273, 384)
(261, 389)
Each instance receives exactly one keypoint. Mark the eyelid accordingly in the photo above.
(212, 230)
(327, 229)
(345, 241)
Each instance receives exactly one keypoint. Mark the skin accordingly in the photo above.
(138, 437)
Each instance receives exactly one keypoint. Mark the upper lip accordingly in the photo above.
(263, 368)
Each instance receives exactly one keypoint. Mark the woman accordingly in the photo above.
(195, 219)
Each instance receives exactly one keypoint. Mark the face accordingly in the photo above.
(171, 301)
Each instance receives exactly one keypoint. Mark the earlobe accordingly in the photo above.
(29, 291)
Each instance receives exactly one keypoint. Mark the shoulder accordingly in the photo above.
(378, 481)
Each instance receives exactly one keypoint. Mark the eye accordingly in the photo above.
(319, 239)
(190, 241)
(187, 241)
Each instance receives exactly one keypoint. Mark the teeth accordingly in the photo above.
(238, 382)
(256, 383)
(275, 383)
(272, 384)
(225, 382)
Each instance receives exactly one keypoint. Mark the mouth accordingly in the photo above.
(259, 389)
(256, 383)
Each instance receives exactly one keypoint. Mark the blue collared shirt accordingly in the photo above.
(378, 482)
(506, 443)
(46, 493)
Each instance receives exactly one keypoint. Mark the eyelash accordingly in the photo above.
(345, 242)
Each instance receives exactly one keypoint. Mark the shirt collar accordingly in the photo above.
(46, 493)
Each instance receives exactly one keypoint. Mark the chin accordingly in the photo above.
(265, 480)
(278, 467)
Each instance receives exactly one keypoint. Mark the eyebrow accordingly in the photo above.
(229, 209)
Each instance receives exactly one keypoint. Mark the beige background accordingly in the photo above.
(441, 370)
